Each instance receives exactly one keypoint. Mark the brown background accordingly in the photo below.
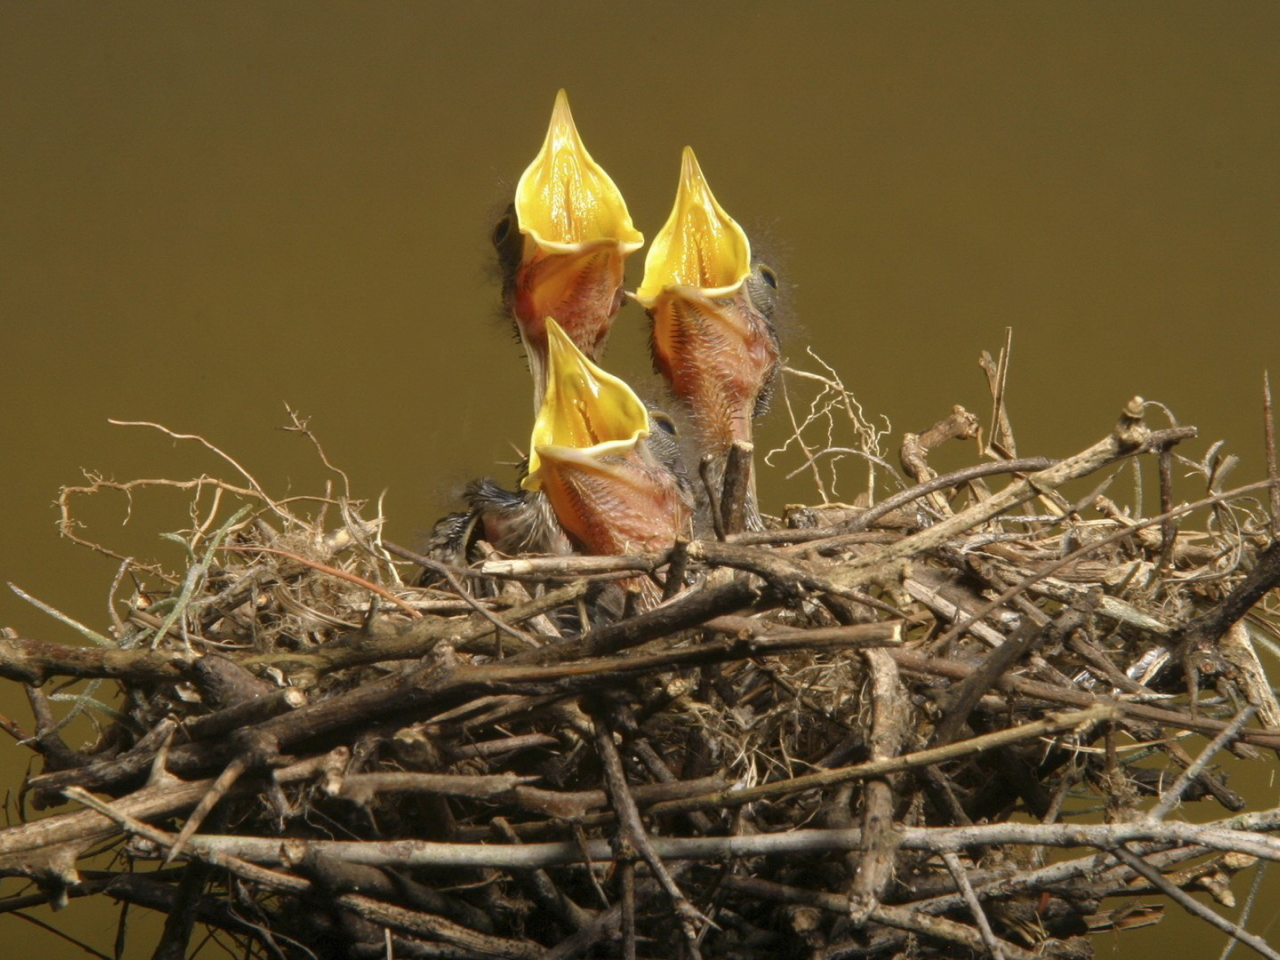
(207, 209)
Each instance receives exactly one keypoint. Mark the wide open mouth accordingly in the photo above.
(565, 199)
(586, 414)
(700, 246)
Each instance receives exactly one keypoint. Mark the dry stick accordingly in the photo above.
(605, 925)
(464, 941)
(244, 714)
(446, 680)
(1055, 693)
(924, 585)
(1130, 437)
(1081, 551)
(417, 854)
(1247, 909)
(1051, 724)
(225, 685)
(677, 569)
(691, 609)
(332, 572)
(389, 914)
(361, 788)
(628, 883)
(542, 568)
(1213, 784)
(962, 698)
(735, 492)
(1240, 834)
(1168, 529)
(914, 452)
(787, 576)
(903, 918)
(997, 372)
(30, 848)
(1210, 626)
(413, 641)
(543, 889)
(35, 661)
(455, 585)
(890, 725)
(46, 788)
(1023, 882)
(730, 797)
(30, 661)
(582, 853)
(657, 766)
(183, 913)
(13, 729)
(1192, 905)
(333, 876)
(706, 471)
(1176, 789)
(1269, 425)
(956, 869)
(632, 840)
(841, 533)
(49, 742)
(966, 475)
(1101, 665)
(1158, 812)
(568, 805)
(224, 782)
(255, 749)
(506, 745)
(258, 490)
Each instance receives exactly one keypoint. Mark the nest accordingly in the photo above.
(950, 721)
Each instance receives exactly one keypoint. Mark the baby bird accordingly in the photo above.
(613, 481)
(712, 307)
(562, 247)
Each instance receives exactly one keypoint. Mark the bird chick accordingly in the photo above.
(594, 455)
(711, 307)
(562, 247)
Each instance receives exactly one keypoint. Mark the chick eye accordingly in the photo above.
(663, 423)
(767, 275)
(501, 231)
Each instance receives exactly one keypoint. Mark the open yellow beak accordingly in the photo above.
(574, 237)
(590, 460)
(700, 246)
(586, 413)
(565, 199)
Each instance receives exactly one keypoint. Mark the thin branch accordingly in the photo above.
(1194, 906)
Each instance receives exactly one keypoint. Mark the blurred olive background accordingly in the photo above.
(210, 209)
